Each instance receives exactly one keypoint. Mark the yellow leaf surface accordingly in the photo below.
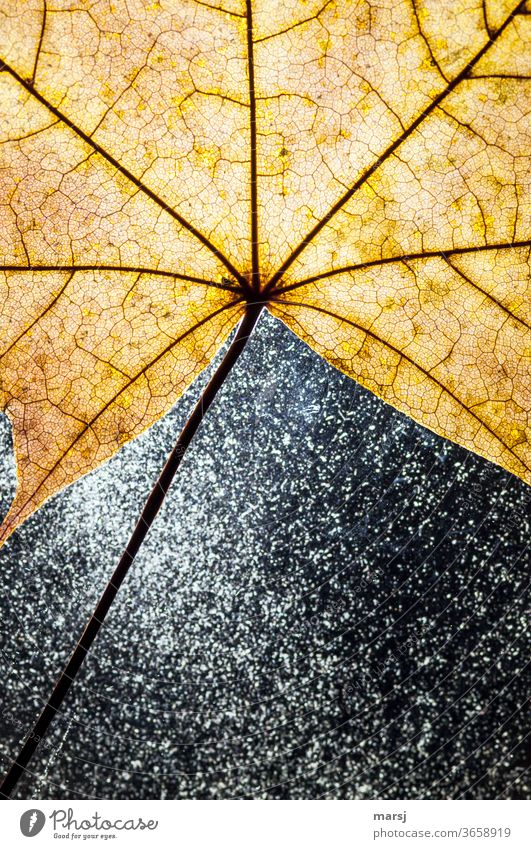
(361, 167)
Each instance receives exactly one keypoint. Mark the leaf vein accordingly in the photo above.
(362, 179)
(409, 359)
(126, 173)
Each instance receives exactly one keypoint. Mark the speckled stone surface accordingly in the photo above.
(331, 604)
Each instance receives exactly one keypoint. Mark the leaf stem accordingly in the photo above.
(149, 512)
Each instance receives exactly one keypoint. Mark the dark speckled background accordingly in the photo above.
(331, 604)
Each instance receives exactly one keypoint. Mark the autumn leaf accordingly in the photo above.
(361, 168)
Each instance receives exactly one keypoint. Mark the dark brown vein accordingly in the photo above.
(129, 383)
(294, 26)
(39, 317)
(520, 77)
(255, 272)
(15, 139)
(426, 41)
(412, 362)
(487, 294)
(39, 46)
(403, 258)
(130, 176)
(465, 126)
(218, 9)
(124, 269)
(387, 153)
(485, 17)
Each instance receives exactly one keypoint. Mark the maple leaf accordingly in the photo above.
(360, 168)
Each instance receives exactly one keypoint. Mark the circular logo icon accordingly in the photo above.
(31, 822)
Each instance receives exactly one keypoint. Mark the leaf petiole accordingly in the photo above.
(146, 519)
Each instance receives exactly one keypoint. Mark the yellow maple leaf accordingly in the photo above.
(360, 168)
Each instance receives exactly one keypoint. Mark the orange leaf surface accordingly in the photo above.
(362, 167)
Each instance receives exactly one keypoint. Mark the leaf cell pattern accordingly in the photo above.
(361, 168)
